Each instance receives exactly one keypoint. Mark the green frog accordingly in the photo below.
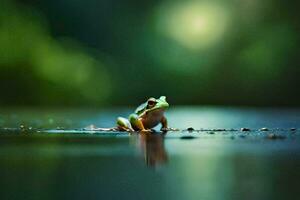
(146, 116)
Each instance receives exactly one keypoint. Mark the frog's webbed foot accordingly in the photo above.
(146, 131)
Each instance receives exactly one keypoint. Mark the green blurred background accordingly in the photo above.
(120, 52)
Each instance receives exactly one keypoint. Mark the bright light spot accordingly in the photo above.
(194, 24)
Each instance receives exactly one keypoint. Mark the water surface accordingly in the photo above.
(51, 157)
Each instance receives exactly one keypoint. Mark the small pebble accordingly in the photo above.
(211, 132)
(190, 129)
(242, 136)
(274, 136)
(188, 137)
(264, 129)
(245, 129)
(293, 129)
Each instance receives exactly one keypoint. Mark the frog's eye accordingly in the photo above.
(151, 102)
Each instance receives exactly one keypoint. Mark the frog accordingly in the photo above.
(146, 116)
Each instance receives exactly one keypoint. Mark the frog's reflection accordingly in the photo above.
(153, 148)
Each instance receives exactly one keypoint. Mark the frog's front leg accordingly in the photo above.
(164, 124)
(124, 124)
(137, 123)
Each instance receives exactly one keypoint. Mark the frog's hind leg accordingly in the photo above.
(136, 123)
(124, 124)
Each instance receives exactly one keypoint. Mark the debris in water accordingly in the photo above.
(245, 129)
(190, 129)
(264, 129)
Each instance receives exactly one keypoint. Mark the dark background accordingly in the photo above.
(120, 52)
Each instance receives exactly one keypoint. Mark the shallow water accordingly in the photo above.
(51, 157)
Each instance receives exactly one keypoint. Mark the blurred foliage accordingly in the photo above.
(117, 52)
(38, 69)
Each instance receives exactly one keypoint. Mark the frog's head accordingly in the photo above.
(154, 104)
